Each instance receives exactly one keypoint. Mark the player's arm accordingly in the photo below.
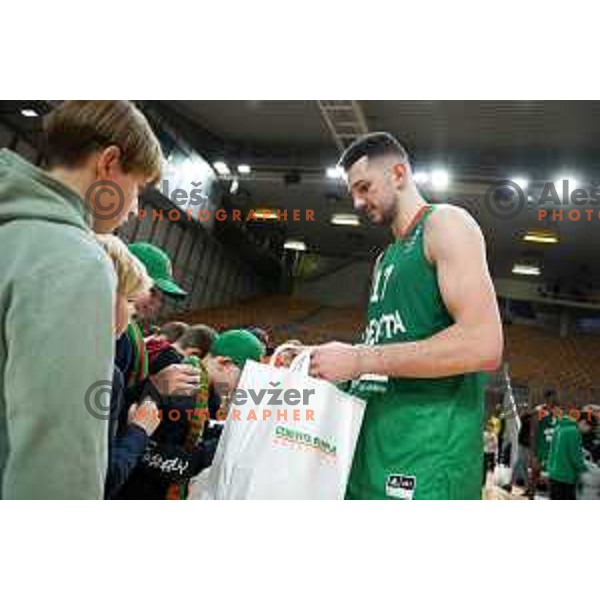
(456, 247)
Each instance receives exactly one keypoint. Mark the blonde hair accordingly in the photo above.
(132, 277)
(77, 128)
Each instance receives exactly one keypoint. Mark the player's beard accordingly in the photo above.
(388, 212)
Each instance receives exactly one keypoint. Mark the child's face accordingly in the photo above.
(223, 373)
(192, 351)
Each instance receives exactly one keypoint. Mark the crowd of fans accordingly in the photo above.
(171, 384)
(97, 296)
(557, 454)
(165, 405)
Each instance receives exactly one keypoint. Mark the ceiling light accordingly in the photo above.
(335, 172)
(440, 178)
(295, 245)
(525, 270)
(29, 112)
(235, 184)
(521, 182)
(421, 177)
(265, 213)
(540, 237)
(348, 219)
(558, 184)
(221, 168)
(244, 169)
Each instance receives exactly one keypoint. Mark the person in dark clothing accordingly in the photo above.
(558, 490)
(166, 444)
(196, 341)
(139, 383)
(127, 441)
(490, 450)
(130, 427)
(523, 464)
(502, 446)
(165, 336)
(543, 426)
(590, 438)
(178, 450)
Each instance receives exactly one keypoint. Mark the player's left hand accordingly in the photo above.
(335, 362)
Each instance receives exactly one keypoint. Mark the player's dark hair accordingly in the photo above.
(372, 145)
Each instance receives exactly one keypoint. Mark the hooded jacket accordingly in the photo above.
(56, 339)
(565, 460)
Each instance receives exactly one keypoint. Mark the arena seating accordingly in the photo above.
(280, 315)
(285, 318)
(537, 357)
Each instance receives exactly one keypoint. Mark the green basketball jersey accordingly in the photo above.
(420, 438)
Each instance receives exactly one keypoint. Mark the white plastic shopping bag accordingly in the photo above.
(502, 475)
(287, 436)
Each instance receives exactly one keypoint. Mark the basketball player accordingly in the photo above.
(433, 327)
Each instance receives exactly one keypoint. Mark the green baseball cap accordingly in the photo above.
(158, 265)
(238, 345)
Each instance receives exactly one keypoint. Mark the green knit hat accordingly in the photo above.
(158, 265)
(238, 345)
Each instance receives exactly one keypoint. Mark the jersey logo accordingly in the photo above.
(400, 486)
(387, 327)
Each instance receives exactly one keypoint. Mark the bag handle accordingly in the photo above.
(280, 349)
(301, 364)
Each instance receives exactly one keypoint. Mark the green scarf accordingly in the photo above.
(180, 491)
(139, 367)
